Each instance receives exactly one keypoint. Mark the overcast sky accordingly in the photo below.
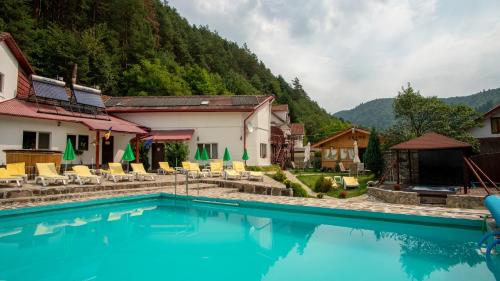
(350, 51)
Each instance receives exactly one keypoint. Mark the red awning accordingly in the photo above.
(170, 135)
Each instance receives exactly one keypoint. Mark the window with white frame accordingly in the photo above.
(79, 142)
(263, 150)
(36, 140)
(212, 149)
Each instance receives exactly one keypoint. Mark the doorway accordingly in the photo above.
(107, 150)
(157, 154)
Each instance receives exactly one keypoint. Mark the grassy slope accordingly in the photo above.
(310, 179)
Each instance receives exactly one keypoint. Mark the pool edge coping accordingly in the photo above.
(366, 214)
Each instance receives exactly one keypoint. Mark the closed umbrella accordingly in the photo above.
(355, 159)
(356, 153)
(226, 157)
(128, 155)
(197, 156)
(69, 153)
(245, 155)
(307, 154)
(204, 155)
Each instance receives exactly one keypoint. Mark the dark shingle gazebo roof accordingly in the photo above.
(431, 141)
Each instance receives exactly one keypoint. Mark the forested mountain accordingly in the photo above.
(144, 47)
(379, 113)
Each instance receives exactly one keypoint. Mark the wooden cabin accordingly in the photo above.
(340, 147)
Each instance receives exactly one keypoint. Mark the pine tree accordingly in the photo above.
(372, 157)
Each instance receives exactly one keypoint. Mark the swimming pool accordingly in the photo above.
(161, 238)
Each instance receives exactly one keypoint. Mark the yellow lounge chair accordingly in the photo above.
(165, 168)
(194, 170)
(47, 174)
(140, 172)
(216, 169)
(116, 173)
(350, 182)
(83, 175)
(185, 167)
(6, 178)
(239, 167)
(232, 174)
(17, 170)
(333, 183)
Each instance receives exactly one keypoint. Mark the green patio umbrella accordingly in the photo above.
(226, 157)
(245, 155)
(69, 153)
(128, 155)
(204, 155)
(197, 156)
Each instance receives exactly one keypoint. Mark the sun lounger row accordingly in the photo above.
(216, 169)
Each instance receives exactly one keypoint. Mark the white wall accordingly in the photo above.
(261, 121)
(9, 68)
(485, 130)
(11, 136)
(223, 128)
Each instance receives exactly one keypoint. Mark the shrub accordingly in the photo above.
(287, 183)
(279, 176)
(298, 191)
(176, 152)
(343, 194)
(322, 185)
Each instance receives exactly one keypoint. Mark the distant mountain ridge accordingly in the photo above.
(378, 113)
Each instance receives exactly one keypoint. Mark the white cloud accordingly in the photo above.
(346, 52)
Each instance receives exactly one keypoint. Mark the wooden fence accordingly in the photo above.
(490, 164)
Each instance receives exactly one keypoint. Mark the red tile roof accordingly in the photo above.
(21, 108)
(16, 51)
(185, 103)
(431, 141)
(280, 107)
(297, 129)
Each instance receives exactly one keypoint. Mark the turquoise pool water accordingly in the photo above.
(166, 239)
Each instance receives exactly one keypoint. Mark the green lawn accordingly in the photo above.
(310, 179)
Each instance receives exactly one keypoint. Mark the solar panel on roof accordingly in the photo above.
(244, 100)
(86, 98)
(50, 91)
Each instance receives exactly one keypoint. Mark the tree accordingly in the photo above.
(417, 115)
(176, 152)
(373, 157)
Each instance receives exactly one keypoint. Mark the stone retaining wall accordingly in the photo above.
(255, 188)
(395, 197)
(412, 198)
(465, 201)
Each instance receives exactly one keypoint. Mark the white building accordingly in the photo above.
(488, 133)
(211, 122)
(38, 115)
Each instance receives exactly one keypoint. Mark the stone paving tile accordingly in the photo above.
(363, 202)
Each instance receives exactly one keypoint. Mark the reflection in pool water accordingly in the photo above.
(179, 240)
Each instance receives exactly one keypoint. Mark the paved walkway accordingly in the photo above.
(364, 203)
(293, 178)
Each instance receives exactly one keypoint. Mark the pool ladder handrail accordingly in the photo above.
(492, 244)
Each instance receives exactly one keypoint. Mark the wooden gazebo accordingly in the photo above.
(433, 159)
